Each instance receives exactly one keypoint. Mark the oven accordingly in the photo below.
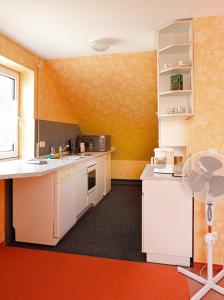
(91, 172)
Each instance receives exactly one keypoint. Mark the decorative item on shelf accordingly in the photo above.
(177, 110)
(165, 67)
(176, 82)
(182, 63)
(171, 110)
(182, 110)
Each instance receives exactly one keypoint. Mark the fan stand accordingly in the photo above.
(210, 282)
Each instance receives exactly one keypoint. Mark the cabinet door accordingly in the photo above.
(100, 178)
(107, 187)
(167, 218)
(81, 190)
(65, 201)
(33, 209)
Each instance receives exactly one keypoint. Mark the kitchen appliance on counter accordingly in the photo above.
(96, 143)
(73, 146)
(163, 161)
(178, 169)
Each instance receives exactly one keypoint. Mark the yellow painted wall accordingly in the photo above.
(208, 122)
(116, 95)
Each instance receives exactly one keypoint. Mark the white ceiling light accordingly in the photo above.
(100, 45)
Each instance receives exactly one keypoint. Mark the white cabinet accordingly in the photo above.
(100, 177)
(81, 189)
(103, 176)
(34, 209)
(167, 213)
(46, 207)
(107, 186)
(66, 200)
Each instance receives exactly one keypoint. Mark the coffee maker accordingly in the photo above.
(163, 160)
(73, 146)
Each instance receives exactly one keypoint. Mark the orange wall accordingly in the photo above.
(208, 124)
(18, 54)
(116, 95)
(54, 105)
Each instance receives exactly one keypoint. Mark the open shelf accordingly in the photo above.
(175, 48)
(175, 44)
(176, 26)
(175, 70)
(176, 93)
(175, 116)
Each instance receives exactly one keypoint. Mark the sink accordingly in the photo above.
(74, 157)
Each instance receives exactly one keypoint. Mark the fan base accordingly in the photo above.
(208, 284)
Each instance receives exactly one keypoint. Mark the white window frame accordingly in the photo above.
(14, 75)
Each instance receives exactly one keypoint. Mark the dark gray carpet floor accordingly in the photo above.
(112, 229)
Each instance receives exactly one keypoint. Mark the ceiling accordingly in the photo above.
(64, 28)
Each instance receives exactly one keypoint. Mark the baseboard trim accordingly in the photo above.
(126, 182)
(168, 260)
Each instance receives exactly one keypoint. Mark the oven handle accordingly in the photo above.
(91, 168)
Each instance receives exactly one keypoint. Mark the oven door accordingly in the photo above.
(91, 171)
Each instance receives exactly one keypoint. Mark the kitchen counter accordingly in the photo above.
(148, 174)
(18, 168)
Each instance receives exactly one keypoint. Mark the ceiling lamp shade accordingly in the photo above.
(100, 45)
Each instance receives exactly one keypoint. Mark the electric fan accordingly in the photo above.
(203, 176)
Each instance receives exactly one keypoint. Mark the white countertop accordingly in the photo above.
(18, 168)
(148, 174)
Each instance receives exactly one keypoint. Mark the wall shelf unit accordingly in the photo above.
(174, 57)
(173, 49)
(176, 93)
(175, 117)
(176, 70)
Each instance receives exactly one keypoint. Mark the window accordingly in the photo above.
(9, 90)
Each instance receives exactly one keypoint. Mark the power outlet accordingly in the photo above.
(42, 144)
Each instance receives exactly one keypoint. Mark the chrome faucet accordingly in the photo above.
(62, 149)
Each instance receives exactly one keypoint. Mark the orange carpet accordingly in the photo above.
(35, 275)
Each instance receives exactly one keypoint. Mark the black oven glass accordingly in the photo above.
(91, 179)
